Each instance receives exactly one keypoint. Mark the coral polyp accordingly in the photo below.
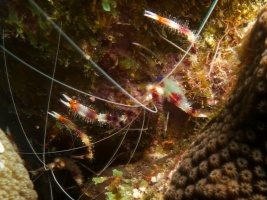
(242, 166)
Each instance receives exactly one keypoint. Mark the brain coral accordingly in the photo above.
(15, 182)
(228, 160)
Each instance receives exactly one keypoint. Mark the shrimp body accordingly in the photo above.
(90, 114)
(172, 91)
(172, 24)
(176, 95)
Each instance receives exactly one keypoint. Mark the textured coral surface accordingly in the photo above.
(228, 160)
(15, 182)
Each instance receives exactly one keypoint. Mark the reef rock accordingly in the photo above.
(15, 182)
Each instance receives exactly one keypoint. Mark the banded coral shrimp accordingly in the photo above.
(99, 87)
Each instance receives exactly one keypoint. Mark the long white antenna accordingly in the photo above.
(13, 101)
(87, 57)
(196, 36)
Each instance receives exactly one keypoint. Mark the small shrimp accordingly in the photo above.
(90, 114)
(80, 109)
(172, 24)
(174, 94)
(84, 138)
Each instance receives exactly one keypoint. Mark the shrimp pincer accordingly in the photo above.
(172, 91)
(80, 109)
(176, 95)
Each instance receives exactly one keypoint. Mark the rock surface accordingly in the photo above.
(15, 182)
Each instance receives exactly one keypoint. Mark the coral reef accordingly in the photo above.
(107, 37)
(106, 30)
(235, 141)
(15, 182)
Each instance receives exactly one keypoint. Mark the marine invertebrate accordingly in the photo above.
(215, 176)
(133, 78)
(222, 140)
(173, 25)
(246, 175)
(242, 163)
(214, 160)
(179, 194)
(199, 186)
(257, 155)
(212, 146)
(245, 149)
(208, 191)
(232, 188)
(249, 122)
(15, 182)
(187, 166)
(220, 191)
(176, 177)
(181, 181)
(245, 189)
(229, 169)
(189, 191)
(193, 173)
(199, 154)
(78, 142)
(257, 197)
(225, 154)
(233, 147)
(259, 171)
(262, 106)
(261, 186)
(203, 167)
